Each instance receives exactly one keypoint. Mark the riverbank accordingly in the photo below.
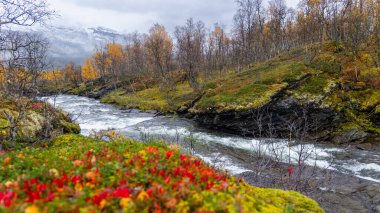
(334, 191)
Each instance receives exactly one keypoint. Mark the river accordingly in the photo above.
(219, 149)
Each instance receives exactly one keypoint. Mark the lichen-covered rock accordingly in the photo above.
(25, 127)
(350, 136)
(31, 126)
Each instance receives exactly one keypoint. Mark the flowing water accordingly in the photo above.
(226, 151)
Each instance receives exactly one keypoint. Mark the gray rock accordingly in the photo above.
(151, 111)
(373, 190)
(345, 190)
(354, 135)
(365, 146)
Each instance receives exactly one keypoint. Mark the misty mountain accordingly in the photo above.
(74, 45)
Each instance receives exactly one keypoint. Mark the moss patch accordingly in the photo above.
(154, 98)
(239, 98)
(147, 99)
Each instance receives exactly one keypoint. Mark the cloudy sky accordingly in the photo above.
(139, 15)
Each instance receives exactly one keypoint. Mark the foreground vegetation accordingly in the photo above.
(79, 174)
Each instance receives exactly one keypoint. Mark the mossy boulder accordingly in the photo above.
(31, 125)
(26, 129)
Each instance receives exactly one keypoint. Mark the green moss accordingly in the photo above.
(326, 62)
(365, 99)
(68, 127)
(239, 98)
(148, 99)
(314, 86)
(3, 123)
(79, 89)
(154, 98)
(210, 85)
(277, 72)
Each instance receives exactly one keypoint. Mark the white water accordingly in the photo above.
(212, 147)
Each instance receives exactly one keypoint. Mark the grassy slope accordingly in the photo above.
(328, 87)
(250, 89)
(86, 175)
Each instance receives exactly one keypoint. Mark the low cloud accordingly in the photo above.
(131, 15)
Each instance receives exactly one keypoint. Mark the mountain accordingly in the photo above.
(74, 45)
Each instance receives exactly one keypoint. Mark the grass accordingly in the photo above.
(154, 98)
(238, 98)
(148, 99)
(316, 85)
(79, 174)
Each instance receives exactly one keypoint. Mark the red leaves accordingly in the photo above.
(50, 196)
(88, 154)
(152, 150)
(7, 197)
(177, 171)
(169, 154)
(209, 185)
(183, 157)
(60, 182)
(76, 179)
(33, 190)
(96, 199)
(167, 179)
(37, 105)
(290, 170)
(122, 192)
(197, 163)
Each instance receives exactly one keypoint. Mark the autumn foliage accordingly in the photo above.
(88, 70)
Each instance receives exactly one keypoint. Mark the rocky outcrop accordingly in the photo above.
(275, 119)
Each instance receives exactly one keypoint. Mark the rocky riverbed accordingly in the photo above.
(334, 191)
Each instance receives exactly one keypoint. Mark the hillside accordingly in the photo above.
(340, 104)
(87, 175)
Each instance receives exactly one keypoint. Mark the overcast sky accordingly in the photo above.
(139, 15)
